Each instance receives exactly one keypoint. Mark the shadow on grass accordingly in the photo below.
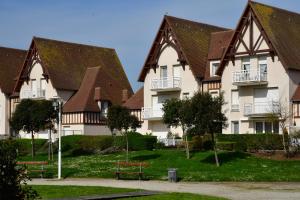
(145, 157)
(225, 157)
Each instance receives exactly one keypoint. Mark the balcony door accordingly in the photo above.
(264, 99)
(34, 87)
(164, 76)
(176, 75)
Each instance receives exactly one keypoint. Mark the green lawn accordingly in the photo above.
(55, 191)
(201, 167)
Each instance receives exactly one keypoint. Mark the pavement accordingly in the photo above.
(230, 190)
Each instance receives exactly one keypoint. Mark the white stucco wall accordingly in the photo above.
(189, 85)
(277, 77)
(4, 114)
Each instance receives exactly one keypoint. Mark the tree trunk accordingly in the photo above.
(215, 150)
(187, 148)
(49, 145)
(283, 140)
(126, 146)
(32, 145)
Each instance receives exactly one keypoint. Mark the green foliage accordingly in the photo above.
(24, 145)
(119, 118)
(207, 113)
(33, 115)
(12, 177)
(137, 141)
(252, 142)
(201, 142)
(178, 112)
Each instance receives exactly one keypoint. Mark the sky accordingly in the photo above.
(129, 26)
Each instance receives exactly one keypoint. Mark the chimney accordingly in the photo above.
(124, 95)
(97, 95)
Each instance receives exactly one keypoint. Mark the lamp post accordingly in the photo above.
(57, 104)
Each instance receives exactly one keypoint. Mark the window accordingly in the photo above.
(262, 67)
(43, 87)
(104, 108)
(235, 104)
(266, 127)
(185, 95)
(214, 68)
(34, 87)
(214, 93)
(163, 72)
(235, 127)
(176, 71)
(259, 127)
(246, 64)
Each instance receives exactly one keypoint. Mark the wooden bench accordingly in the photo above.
(41, 163)
(140, 166)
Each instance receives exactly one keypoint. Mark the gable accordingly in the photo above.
(266, 29)
(65, 63)
(190, 40)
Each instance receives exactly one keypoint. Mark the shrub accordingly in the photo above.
(201, 142)
(227, 146)
(24, 145)
(12, 177)
(252, 142)
(137, 141)
(91, 144)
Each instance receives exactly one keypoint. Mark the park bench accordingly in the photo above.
(139, 165)
(41, 163)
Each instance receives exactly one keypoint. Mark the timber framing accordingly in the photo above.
(164, 38)
(32, 58)
(246, 21)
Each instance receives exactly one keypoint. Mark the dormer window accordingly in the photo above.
(213, 68)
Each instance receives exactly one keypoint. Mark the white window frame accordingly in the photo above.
(233, 106)
(212, 65)
(232, 126)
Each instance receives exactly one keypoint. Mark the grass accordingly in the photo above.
(55, 191)
(201, 167)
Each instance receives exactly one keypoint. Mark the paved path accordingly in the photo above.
(231, 190)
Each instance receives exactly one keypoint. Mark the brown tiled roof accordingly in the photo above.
(283, 30)
(296, 96)
(66, 62)
(11, 61)
(136, 101)
(219, 41)
(95, 77)
(193, 40)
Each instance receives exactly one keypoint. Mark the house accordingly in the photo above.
(177, 66)
(260, 69)
(10, 62)
(86, 78)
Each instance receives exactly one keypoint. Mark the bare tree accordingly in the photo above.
(280, 113)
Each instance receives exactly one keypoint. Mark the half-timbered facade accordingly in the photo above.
(86, 78)
(260, 69)
(176, 67)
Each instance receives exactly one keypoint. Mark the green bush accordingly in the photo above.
(252, 142)
(227, 146)
(24, 145)
(12, 177)
(201, 142)
(137, 141)
(70, 142)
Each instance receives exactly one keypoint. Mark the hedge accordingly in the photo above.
(137, 141)
(24, 145)
(249, 142)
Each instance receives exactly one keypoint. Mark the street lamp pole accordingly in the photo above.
(59, 139)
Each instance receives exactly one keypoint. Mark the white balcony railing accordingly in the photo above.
(260, 108)
(235, 107)
(152, 113)
(170, 83)
(32, 94)
(249, 77)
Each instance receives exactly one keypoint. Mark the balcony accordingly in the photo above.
(152, 113)
(260, 109)
(166, 84)
(249, 77)
(33, 94)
